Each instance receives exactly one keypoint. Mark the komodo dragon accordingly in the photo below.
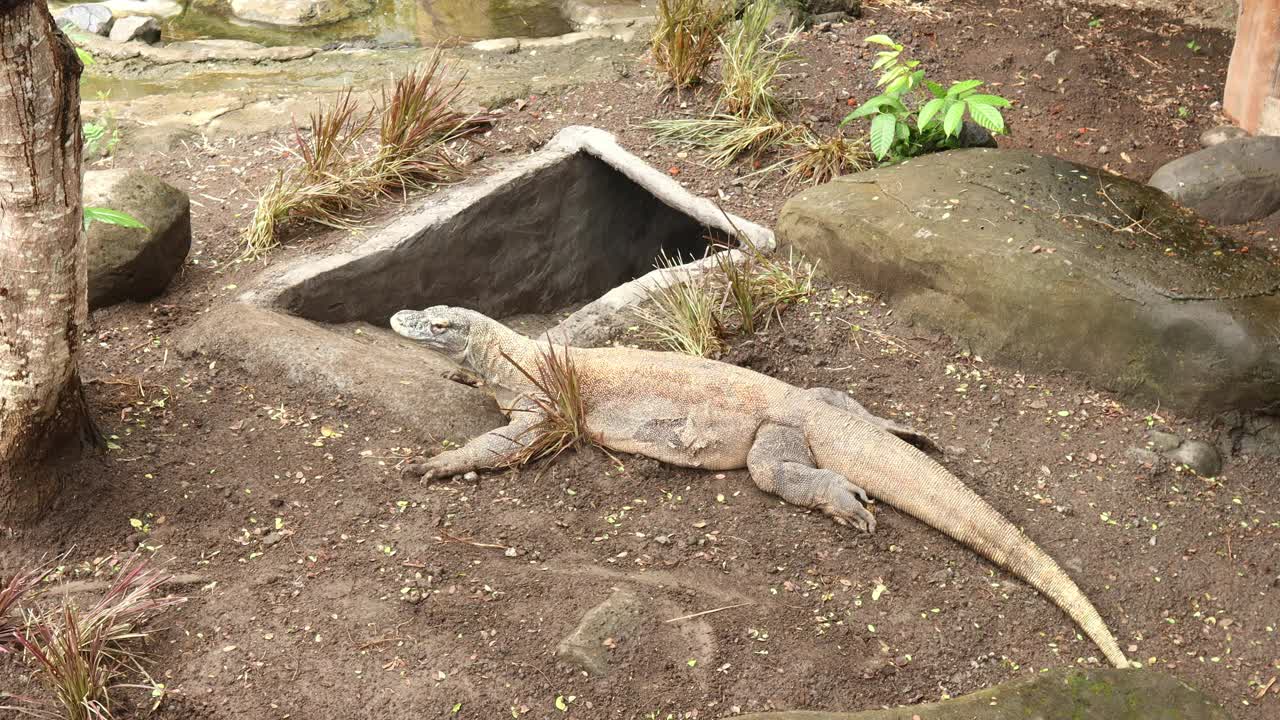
(813, 448)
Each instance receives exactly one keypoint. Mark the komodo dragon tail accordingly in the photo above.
(912, 482)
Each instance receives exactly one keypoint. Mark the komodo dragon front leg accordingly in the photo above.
(496, 448)
(845, 401)
(781, 464)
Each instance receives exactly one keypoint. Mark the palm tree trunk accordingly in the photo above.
(43, 272)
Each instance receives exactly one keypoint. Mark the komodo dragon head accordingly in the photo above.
(447, 330)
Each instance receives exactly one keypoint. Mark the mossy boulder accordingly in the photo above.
(1038, 262)
(1063, 694)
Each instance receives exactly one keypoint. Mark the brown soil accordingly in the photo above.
(372, 600)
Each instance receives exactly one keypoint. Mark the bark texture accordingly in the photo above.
(43, 273)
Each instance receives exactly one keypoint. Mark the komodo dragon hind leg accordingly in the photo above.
(781, 464)
(845, 401)
(492, 449)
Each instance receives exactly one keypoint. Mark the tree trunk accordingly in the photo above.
(43, 271)
(1252, 95)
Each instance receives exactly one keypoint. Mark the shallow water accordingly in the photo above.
(392, 22)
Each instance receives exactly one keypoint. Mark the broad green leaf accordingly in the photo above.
(902, 131)
(111, 217)
(928, 112)
(85, 58)
(884, 58)
(883, 40)
(883, 131)
(935, 89)
(955, 116)
(962, 87)
(993, 100)
(917, 77)
(987, 116)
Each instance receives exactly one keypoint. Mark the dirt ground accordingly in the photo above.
(333, 588)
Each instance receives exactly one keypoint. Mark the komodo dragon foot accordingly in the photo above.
(780, 463)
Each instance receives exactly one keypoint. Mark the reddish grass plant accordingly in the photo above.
(82, 656)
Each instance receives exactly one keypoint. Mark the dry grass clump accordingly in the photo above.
(559, 400)
(81, 656)
(339, 171)
(686, 38)
(820, 160)
(11, 593)
(684, 314)
(751, 63)
(748, 115)
(725, 138)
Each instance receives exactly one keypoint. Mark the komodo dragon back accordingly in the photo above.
(702, 413)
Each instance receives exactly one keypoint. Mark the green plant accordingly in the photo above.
(681, 312)
(1095, 22)
(1193, 46)
(898, 131)
(751, 62)
(1184, 112)
(686, 37)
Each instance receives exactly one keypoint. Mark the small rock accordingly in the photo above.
(1222, 133)
(614, 620)
(497, 45)
(1199, 456)
(272, 539)
(1144, 456)
(136, 27)
(1163, 441)
(131, 263)
(1052, 57)
(472, 476)
(94, 19)
(848, 8)
(1104, 150)
(973, 135)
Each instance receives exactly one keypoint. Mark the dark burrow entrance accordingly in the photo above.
(553, 237)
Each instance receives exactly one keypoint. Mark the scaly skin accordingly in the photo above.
(813, 448)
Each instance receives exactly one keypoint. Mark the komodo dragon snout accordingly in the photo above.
(814, 448)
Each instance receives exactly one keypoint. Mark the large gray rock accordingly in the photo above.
(299, 13)
(1235, 181)
(136, 27)
(1027, 259)
(1062, 694)
(94, 19)
(129, 263)
(375, 369)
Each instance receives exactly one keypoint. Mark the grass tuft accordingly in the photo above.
(683, 315)
(82, 656)
(338, 171)
(820, 160)
(686, 38)
(559, 399)
(12, 593)
(725, 138)
(751, 62)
